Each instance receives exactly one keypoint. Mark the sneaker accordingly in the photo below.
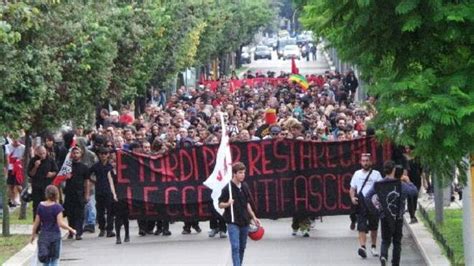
(118, 242)
(213, 233)
(102, 233)
(141, 233)
(305, 234)
(186, 231)
(78, 237)
(353, 226)
(197, 228)
(110, 234)
(295, 232)
(383, 261)
(413, 220)
(374, 252)
(362, 252)
(126, 239)
(89, 228)
(166, 233)
(222, 235)
(158, 232)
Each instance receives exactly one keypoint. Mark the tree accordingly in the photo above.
(418, 57)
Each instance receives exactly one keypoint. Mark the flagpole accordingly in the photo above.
(232, 205)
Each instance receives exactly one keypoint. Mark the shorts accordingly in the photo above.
(11, 179)
(366, 220)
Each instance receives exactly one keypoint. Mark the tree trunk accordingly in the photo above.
(26, 160)
(3, 189)
(468, 214)
(438, 194)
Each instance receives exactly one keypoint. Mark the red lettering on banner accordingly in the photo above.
(184, 200)
(195, 165)
(148, 203)
(319, 156)
(209, 156)
(292, 157)
(280, 156)
(329, 157)
(283, 199)
(300, 198)
(255, 191)
(172, 167)
(325, 192)
(141, 167)
(265, 161)
(201, 211)
(131, 209)
(186, 165)
(167, 200)
(373, 151)
(235, 153)
(266, 193)
(343, 190)
(305, 155)
(315, 194)
(342, 155)
(120, 167)
(253, 159)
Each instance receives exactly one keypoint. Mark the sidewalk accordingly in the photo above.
(429, 249)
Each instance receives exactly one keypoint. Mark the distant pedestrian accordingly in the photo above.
(361, 182)
(238, 227)
(119, 206)
(50, 217)
(389, 196)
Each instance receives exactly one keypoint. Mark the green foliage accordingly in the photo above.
(60, 59)
(418, 56)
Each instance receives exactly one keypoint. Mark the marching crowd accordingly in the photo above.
(326, 111)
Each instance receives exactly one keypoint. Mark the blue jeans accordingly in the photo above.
(91, 212)
(238, 241)
(51, 262)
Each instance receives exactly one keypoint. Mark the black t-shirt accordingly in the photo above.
(75, 184)
(100, 170)
(241, 200)
(39, 180)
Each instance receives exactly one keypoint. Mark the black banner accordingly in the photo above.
(284, 177)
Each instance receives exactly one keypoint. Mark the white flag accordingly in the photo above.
(222, 173)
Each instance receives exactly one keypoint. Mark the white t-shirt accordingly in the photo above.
(16, 152)
(359, 177)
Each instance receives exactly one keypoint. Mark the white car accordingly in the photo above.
(291, 51)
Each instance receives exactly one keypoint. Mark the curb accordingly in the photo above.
(429, 249)
(25, 255)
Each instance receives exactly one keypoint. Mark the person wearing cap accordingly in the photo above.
(76, 193)
(103, 193)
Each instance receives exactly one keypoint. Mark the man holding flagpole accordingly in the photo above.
(235, 200)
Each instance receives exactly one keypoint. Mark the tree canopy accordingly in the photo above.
(60, 59)
(418, 57)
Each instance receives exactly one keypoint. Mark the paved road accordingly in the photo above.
(331, 242)
(276, 65)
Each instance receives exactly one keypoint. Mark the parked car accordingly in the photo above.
(245, 56)
(262, 52)
(282, 43)
(291, 51)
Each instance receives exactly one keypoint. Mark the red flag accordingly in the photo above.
(294, 69)
(66, 169)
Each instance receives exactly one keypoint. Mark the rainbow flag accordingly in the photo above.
(300, 80)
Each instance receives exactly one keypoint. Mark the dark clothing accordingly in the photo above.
(103, 206)
(390, 235)
(414, 173)
(100, 170)
(241, 200)
(74, 196)
(366, 220)
(48, 217)
(39, 181)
